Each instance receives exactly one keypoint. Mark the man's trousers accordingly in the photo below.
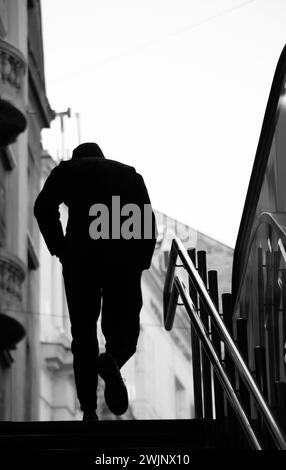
(114, 292)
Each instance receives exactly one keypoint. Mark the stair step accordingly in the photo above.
(102, 434)
(80, 442)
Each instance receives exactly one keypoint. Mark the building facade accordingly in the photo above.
(24, 111)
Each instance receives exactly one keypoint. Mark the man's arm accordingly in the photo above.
(46, 211)
(142, 197)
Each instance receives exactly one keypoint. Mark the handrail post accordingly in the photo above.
(242, 343)
(206, 368)
(218, 391)
(169, 320)
(261, 379)
(196, 349)
(227, 310)
(269, 322)
(241, 330)
(169, 279)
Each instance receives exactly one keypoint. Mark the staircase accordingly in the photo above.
(91, 441)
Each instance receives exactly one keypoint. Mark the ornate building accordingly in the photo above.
(24, 111)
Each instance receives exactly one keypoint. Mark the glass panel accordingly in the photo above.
(261, 295)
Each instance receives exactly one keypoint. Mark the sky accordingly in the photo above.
(175, 88)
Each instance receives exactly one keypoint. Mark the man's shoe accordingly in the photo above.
(115, 393)
(89, 415)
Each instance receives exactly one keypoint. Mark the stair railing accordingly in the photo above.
(173, 288)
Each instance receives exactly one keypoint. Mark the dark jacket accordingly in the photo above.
(81, 183)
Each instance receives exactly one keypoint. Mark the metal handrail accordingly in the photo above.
(212, 355)
(178, 249)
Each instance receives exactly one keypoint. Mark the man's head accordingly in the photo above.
(89, 149)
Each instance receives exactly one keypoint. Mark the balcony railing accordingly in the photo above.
(12, 276)
(12, 104)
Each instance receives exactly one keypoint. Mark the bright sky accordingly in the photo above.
(176, 88)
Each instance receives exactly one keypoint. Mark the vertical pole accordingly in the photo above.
(276, 308)
(196, 351)
(219, 396)
(260, 369)
(280, 388)
(227, 309)
(270, 327)
(77, 115)
(242, 342)
(241, 327)
(207, 385)
(261, 379)
(61, 115)
(284, 317)
(261, 298)
(62, 136)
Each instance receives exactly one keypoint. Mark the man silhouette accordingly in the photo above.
(103, 254)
